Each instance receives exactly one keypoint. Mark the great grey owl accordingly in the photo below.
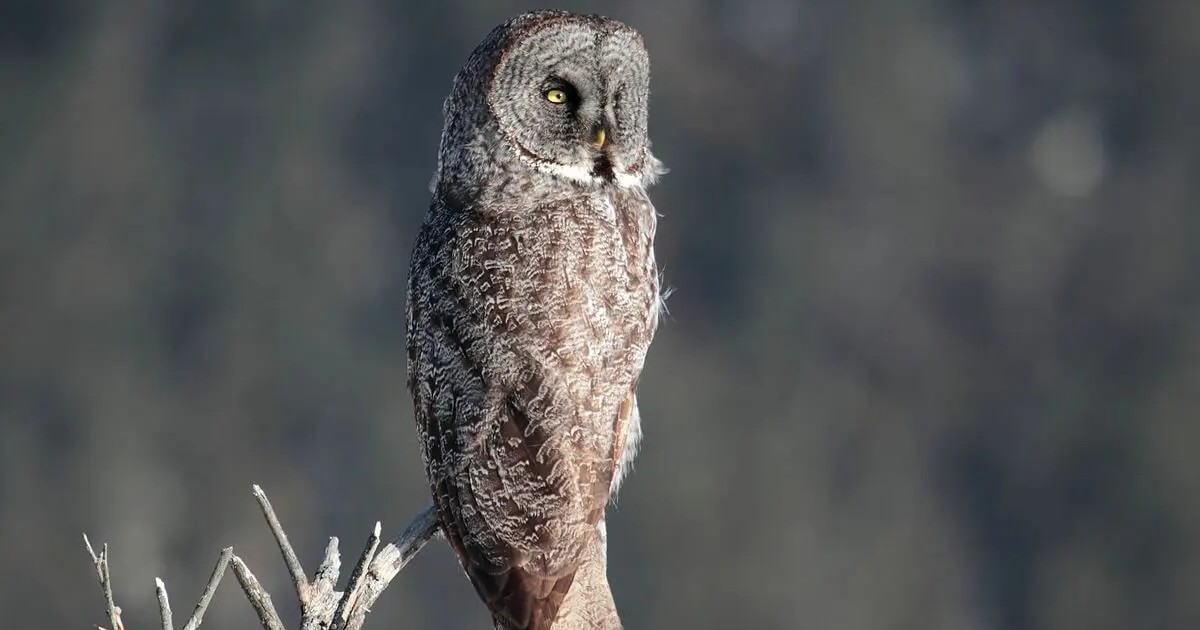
(533, 295)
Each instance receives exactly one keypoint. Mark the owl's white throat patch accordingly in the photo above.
(581, 173)
(584, 173)
(596, 172)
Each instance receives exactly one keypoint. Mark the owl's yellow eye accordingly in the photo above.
(556, 96)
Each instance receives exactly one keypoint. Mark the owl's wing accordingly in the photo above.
(516, 500)
(520, 465)
(507, 499)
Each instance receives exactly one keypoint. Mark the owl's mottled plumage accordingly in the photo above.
(533, 296)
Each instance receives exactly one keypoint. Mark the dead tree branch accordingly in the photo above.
(164, 605)
(210, 589)
(388, 562)
(355, 585)
(289, 555)
(101, 564)
(322, 607)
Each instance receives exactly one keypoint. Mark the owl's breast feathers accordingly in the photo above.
(527, 331)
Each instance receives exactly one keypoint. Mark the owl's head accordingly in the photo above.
(566, 93)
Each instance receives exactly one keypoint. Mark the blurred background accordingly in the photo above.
(933, 359)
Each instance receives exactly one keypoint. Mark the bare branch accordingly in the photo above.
(420, 531)
(164, 606)
(95, 559)
(285, 547)
(101, 563)
(327, 573)
(355, 585)
(322, 607)
(322, 599)
(389, 561)
(259, 598)
(210, 589)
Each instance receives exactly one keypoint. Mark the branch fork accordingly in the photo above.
(322, 607)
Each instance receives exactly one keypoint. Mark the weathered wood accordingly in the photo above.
(322, 607)
(164, 605)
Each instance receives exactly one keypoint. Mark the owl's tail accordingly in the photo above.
(579, 600)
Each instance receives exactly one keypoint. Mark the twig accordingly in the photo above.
(327, 573)
(206, 597)
(317, 611)
(285, 547)
(101, 563)
(164, 605)
(259, 598)
(355, 585)
(322, 607)
(389, 561)
(420, 531)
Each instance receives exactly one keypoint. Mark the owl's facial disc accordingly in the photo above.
(571, 95)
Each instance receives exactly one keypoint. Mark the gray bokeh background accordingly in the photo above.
(933, 359)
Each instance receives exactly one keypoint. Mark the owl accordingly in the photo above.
(533, 296)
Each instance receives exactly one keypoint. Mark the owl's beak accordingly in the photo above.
(601, 138)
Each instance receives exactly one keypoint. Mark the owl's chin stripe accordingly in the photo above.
(582, 174)
(634, 177)
(575, 173)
